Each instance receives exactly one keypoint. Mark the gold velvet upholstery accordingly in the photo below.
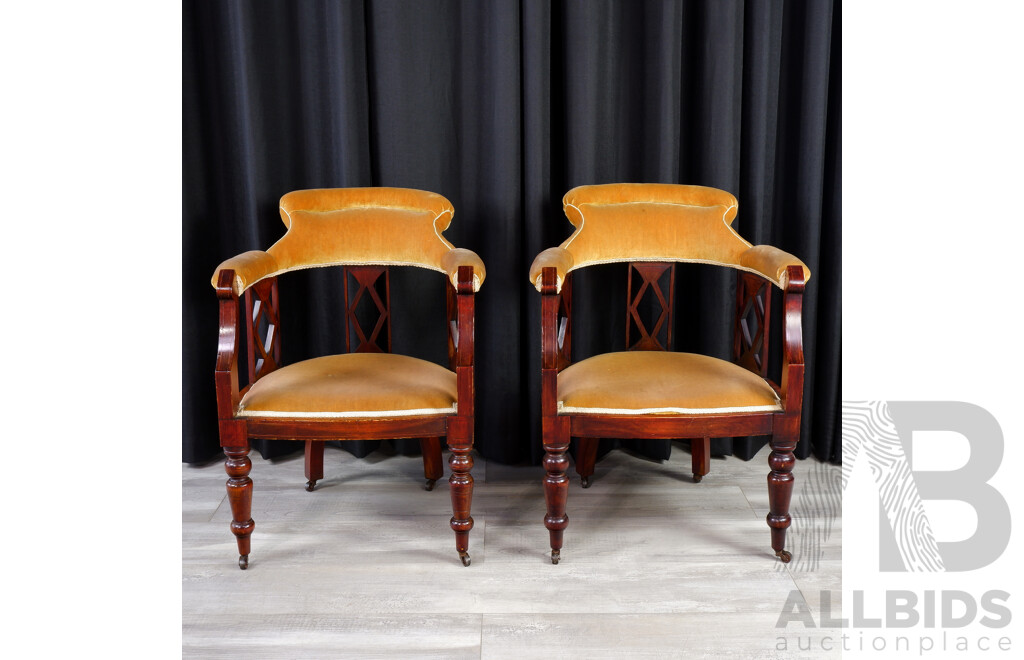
(653, 382)
(657, 222)
(358, 226)
(353, 385)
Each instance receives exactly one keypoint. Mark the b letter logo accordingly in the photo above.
(880, 432)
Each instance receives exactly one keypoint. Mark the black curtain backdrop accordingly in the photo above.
(502, 106)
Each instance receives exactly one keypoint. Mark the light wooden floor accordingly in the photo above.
(365, 567)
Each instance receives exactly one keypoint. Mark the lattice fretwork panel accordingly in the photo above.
(452, 316)
(648, 282)
(367, 309)
(262, 328)
(753, 318)
(564, 336)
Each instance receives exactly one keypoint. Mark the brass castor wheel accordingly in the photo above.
(784, 555)
(430, 486)
(585, 482)
(464, 556)
(310, 485)
(555, 556)
(243, 561)
(697, 478)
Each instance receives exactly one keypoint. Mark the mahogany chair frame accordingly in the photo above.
(264, 355)
(750, 350)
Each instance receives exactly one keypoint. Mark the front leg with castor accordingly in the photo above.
(780, 488)
(239, 487)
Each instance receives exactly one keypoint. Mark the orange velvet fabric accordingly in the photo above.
(356, 226)
(657, 222)
(658, 382)
(354, 385)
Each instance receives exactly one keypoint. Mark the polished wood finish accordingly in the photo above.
(675, 427)
(314, 463)
(753, 317)
(263, 346)
(649, 276)
(753, 322)
(700, 449)
(432, 467)
(460, 426)
(586, 457)
(367, 340)
(263, 343)
(298, 428)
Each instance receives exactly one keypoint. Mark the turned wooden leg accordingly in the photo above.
(780, 488)
(314, 463)
(700, 448)
(556, 484)
(586, 456)
(432, 467)
(239, 485)
(461, 482)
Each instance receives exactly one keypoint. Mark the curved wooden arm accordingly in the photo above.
(465, 304)
(226, 374)
(555, 336)
(792, 337)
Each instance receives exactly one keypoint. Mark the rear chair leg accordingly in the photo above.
(586, 456)
(701, 450)
(314, 463)
(432, 467)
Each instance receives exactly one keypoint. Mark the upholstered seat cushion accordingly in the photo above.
(658, 382)
(368, 385)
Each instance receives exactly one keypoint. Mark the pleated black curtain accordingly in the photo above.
(502, 106)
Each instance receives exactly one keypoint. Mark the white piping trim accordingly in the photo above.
(563, 409)
(576, 233)
(289, 217)
(439, 236)
(734, 232)
(375, 414)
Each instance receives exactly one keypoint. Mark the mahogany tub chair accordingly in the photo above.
(647, 393)
(368, 392)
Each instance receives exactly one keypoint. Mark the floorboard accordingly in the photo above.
(654, 565)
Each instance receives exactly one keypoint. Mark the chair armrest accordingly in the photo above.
(226, 373)
(557, 258)
(463, 257)
(249, 268)
(771, 262)
(792, 385)
(462, 302)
